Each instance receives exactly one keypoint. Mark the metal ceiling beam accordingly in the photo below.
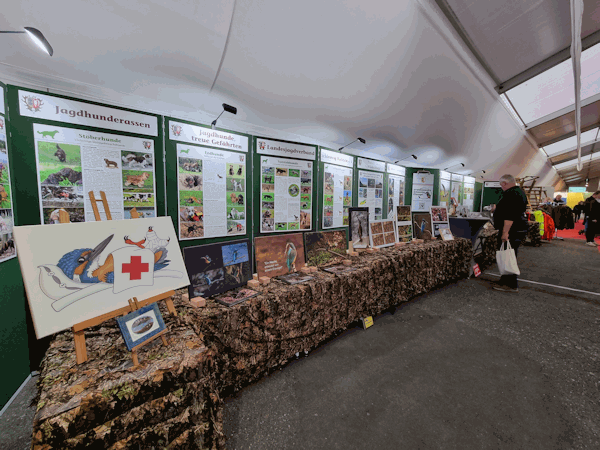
(548, 63)
(561, 112)
(447, 10)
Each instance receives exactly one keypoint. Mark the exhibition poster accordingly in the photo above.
(7, 245)
(70, 163)
(469, 196)
(211, 186)
(444, 197)
(337, 195)
(422, 191)
(370, 193)
(456, 193)
(395, 193)
(286, 194)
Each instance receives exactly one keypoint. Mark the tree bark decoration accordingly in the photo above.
(173, 399)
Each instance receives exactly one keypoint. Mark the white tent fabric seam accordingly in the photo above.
(576, 19)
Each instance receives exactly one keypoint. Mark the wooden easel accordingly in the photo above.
(102, 199)
(79, 328)
(134, 305)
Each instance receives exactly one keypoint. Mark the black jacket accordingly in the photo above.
(512, 206)
(593, 210)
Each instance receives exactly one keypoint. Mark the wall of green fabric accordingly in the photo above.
(21, 351)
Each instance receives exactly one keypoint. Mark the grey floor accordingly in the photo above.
(462, 367)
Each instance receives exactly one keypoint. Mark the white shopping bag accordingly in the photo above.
(507, 260)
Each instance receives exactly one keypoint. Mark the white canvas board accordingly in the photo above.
(77, 271)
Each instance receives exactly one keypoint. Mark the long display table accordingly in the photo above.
(173, 399)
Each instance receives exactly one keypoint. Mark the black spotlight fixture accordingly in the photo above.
(357, 139)
(226, 107)
(414, 156)
(462, 164)
(36, 36)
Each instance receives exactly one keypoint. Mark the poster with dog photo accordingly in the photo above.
(286, 194)
(212, 192)
(337, 195)
(370, 193)
(7, 246)
(70, 163)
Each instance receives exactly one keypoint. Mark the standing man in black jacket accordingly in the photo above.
(593, 219)
(511, 222)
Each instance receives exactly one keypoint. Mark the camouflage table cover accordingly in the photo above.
(173, 399)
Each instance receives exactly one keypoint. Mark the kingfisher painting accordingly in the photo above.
(87, 265)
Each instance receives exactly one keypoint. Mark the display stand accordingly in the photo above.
(134, 305)
(102, 199)
(79, 328)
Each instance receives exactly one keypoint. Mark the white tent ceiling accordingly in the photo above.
(324, 72)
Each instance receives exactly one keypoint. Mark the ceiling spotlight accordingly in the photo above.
(226, 107)
(454, 166)
(357, 139)
(414, 156)
(37, 37)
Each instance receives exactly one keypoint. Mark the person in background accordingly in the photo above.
(577, 210)
(586, 209)
(559, 199)
(593, 218)
(511, 222)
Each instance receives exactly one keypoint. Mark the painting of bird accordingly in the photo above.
(290, 256)
(86, 266)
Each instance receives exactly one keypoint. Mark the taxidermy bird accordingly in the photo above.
(290, 256)
(84, 264)
(423, 225)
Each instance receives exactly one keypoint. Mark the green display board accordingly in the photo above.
(222, 161)
(285, 178)
(26, 108)
(336, 182)
(43, 125)
(14, 353)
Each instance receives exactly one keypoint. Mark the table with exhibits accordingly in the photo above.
(174, 398)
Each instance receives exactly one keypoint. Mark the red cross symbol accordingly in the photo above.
(135, 268)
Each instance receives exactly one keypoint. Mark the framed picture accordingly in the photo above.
(404, 223)
(439, 214)
(446, 234)
(359, 227)
(139, 326)
(383, 233)
(439, 226)
(217, 268)
(321, 244)
(279, 255)
(422, 228)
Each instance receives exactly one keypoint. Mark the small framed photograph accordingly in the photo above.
(446, 234)
(139, 326)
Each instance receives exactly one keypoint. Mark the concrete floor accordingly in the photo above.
(462, 367)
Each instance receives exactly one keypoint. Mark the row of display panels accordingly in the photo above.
(212, 172)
